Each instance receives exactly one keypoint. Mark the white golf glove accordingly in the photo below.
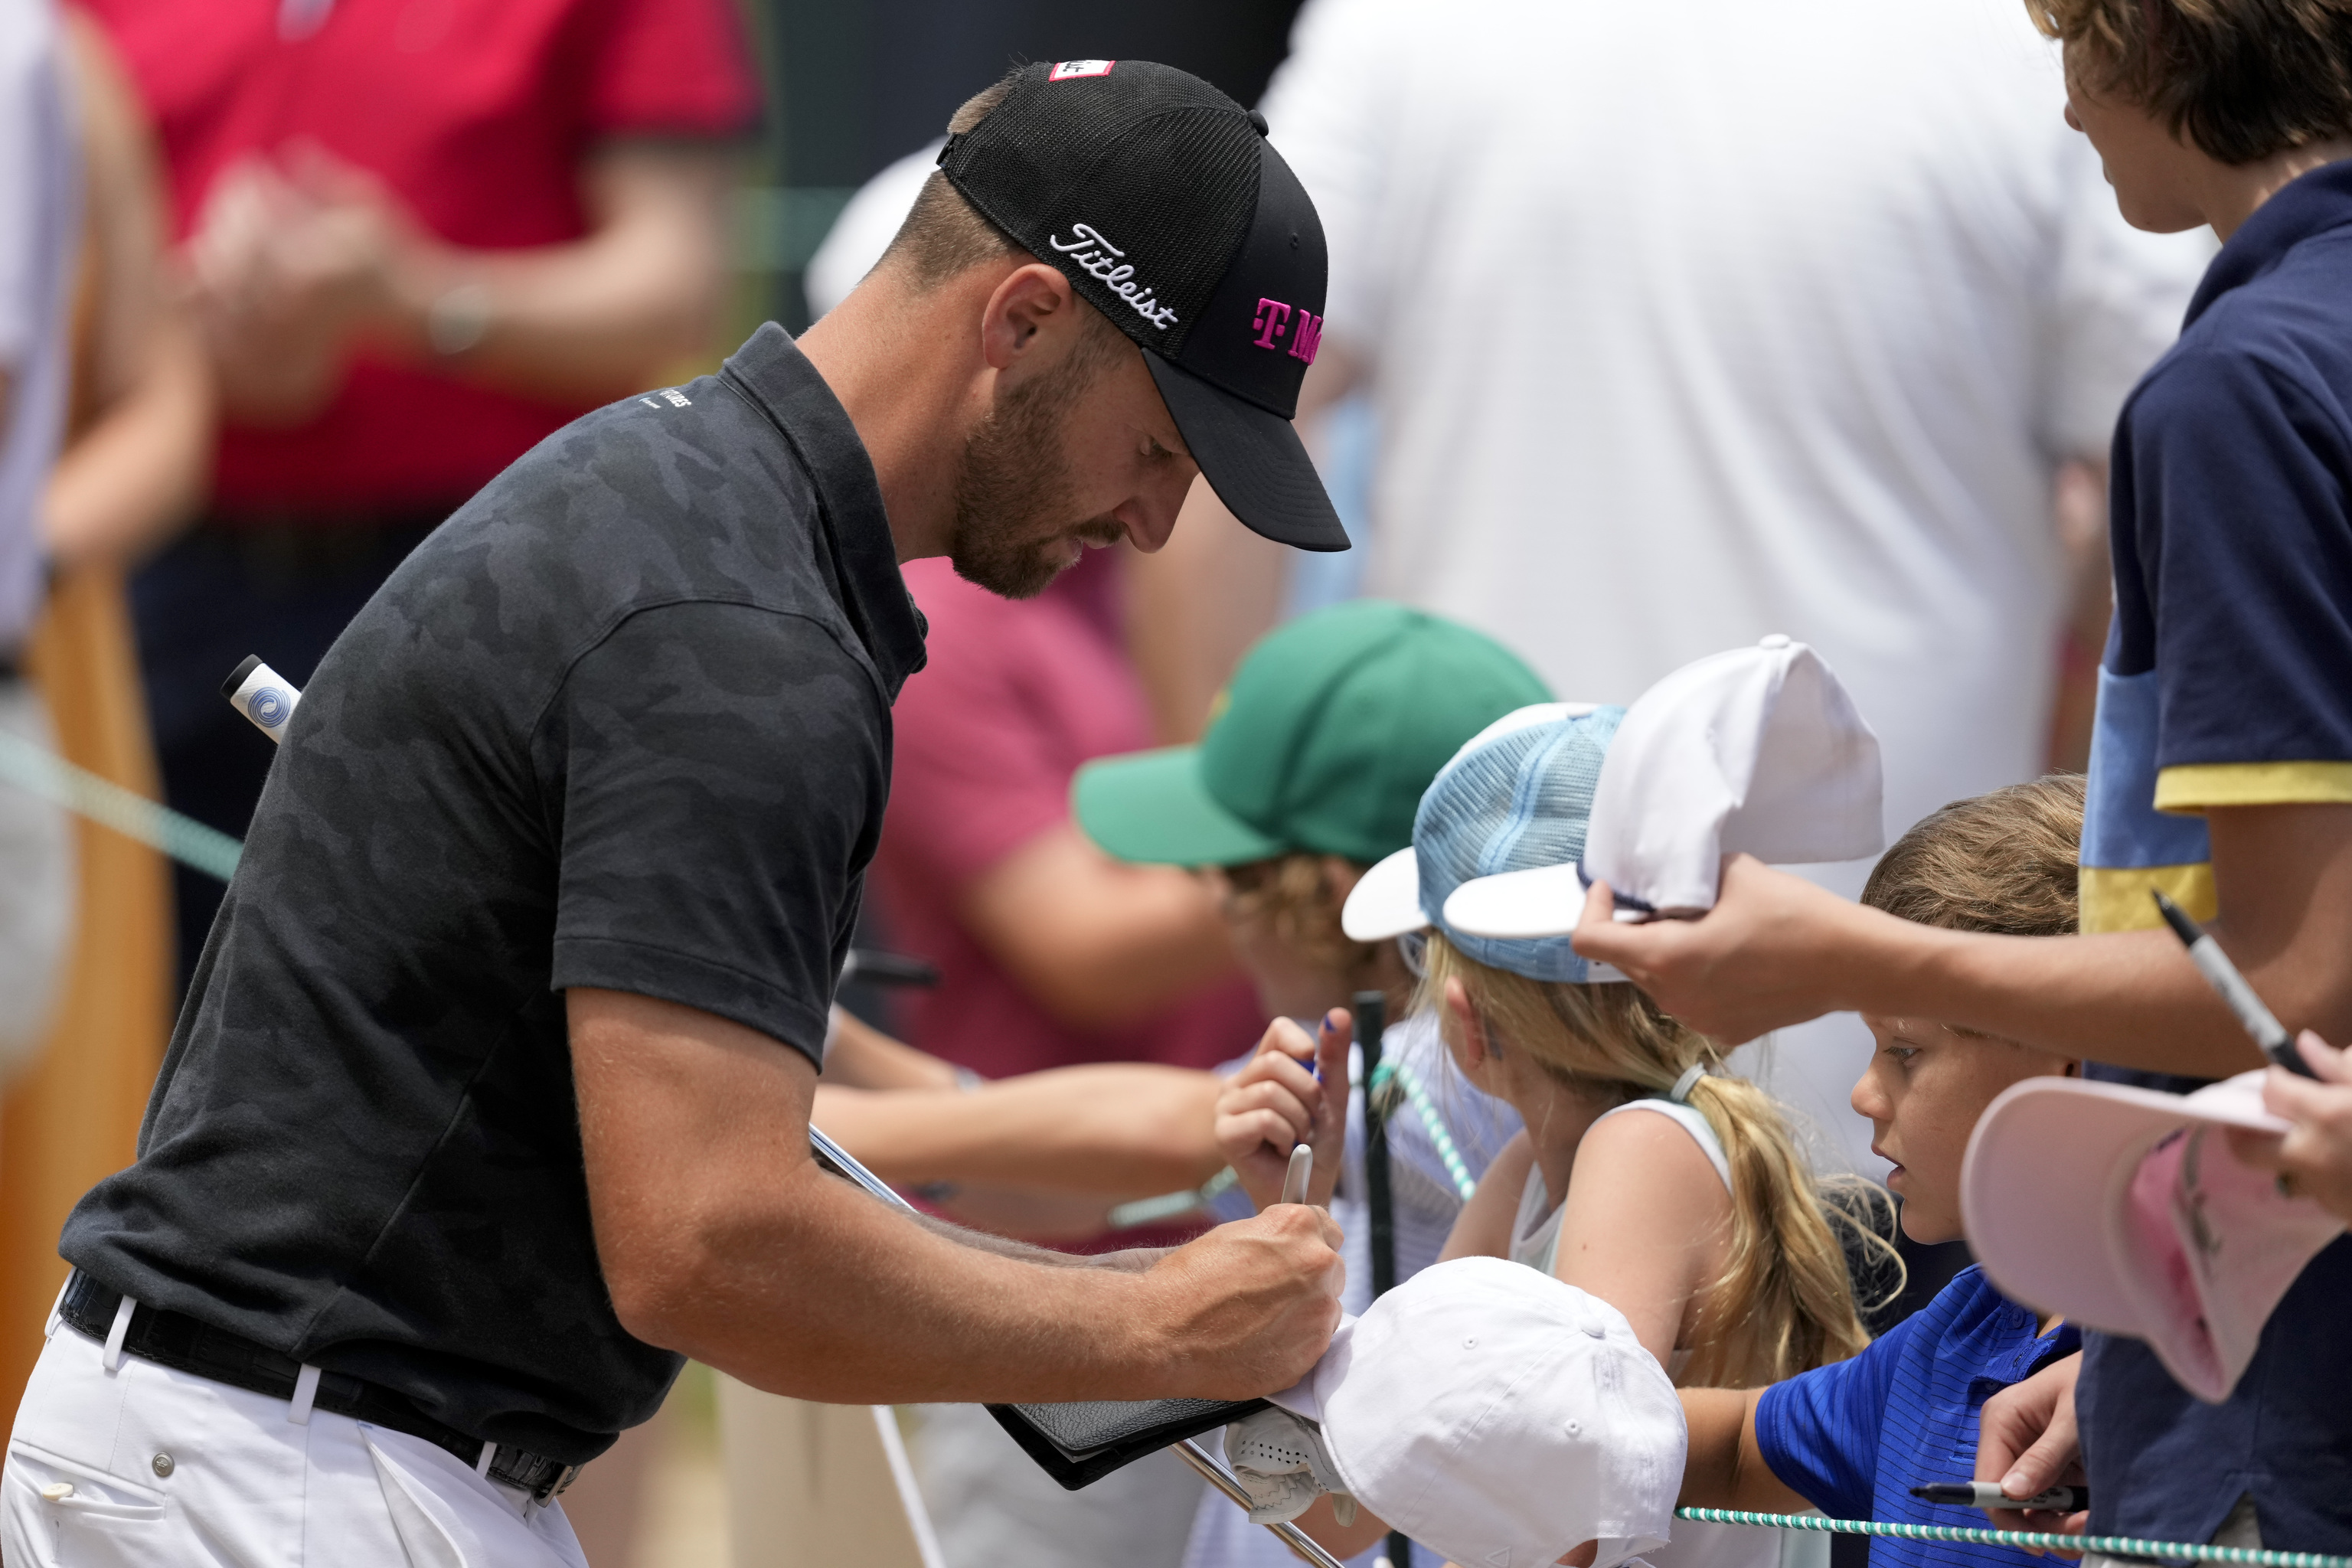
(1280, 1461)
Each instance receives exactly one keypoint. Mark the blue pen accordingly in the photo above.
(1322, 1028)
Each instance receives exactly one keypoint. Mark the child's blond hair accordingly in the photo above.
(1784, 1302)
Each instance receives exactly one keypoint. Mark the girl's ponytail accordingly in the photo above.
(1785, 1299)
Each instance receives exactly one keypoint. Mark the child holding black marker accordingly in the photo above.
(1864, 1438)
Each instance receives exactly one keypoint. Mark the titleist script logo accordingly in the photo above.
(1305, 331)
(1090, 253)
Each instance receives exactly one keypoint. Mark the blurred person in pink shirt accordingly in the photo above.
(1050, 952)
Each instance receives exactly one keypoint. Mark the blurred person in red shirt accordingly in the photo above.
(1050, 953)
(420, 237)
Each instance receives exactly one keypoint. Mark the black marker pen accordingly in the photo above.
(1988, 1495)
(2224, 976)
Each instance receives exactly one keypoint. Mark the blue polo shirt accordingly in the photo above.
(1854, 1438)
(2228, 681)
(2227, 678)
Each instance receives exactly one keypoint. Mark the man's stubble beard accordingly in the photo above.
(1015, 494)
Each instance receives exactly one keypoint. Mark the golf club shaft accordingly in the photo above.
(1290, 1535)
(1370, 1008)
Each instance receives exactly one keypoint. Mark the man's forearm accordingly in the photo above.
(826, 1294)
(2282, 881)
(2130, 998)
(718, 1235)
(1777, 950)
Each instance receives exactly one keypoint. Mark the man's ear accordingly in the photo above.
(1029, 306)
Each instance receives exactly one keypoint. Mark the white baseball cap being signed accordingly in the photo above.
(1757, 750)
(1500, 1416)
(2125, 1209)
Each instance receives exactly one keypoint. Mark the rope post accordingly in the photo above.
(1371, 1009)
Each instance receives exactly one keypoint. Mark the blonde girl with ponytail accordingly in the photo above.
(1701, 1222)
(1647, 1176)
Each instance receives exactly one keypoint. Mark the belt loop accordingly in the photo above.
(58, 1307)
(306, 1393)
(490, 1457)
(112, 1360)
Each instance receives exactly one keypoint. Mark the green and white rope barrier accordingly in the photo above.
(184, 838)
(2112, 1545)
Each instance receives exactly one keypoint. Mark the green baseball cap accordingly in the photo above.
(1331, 730)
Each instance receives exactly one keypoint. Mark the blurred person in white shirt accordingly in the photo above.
(1775, 317)
(39, 233)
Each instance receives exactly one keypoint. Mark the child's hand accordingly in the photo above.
(1275, 1103)
(2027, 1441)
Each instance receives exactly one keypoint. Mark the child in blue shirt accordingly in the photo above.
(1854, 1438)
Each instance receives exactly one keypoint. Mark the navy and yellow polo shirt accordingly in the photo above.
(2228, 674)
(2228, 681)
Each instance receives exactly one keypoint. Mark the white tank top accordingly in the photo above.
(1535, 1241)
(1534, 1234)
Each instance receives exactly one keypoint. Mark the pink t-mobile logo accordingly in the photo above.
(1273, 316)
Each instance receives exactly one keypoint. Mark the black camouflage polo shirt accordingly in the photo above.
(624, 720)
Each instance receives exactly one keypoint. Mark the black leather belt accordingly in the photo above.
(177, 1341)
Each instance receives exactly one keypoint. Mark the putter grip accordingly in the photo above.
(265, 697)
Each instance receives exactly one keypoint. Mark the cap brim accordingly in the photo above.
(2042, 1183)
(1151, 808)
(1545, 900)
(1385, 900)
(1254, 460)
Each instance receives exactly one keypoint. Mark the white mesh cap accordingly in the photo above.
(1516, 795)
(1500, 1416)
(1757, 751)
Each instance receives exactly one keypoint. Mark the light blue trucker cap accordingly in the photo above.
(1517, 797)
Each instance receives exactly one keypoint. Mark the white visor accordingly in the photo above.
(1543, 901)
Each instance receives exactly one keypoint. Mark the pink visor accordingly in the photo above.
(2124, 1210)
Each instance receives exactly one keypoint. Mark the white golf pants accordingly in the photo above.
(148, 1467)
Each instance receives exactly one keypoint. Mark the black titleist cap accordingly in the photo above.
(1160, 200)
